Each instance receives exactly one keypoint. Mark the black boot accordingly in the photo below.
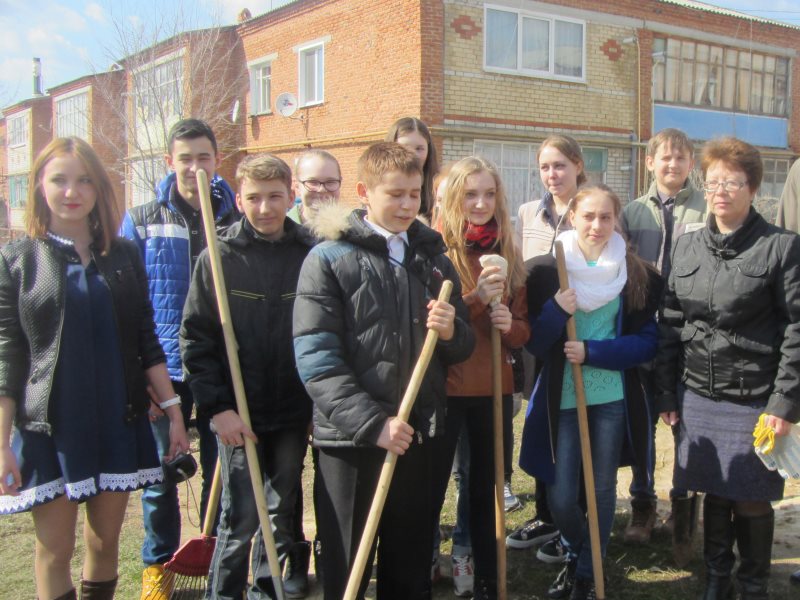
(718, 548)
(295, 578)
(70, 595)
(754, 539)
(98, 590)
(795, 577)
(318, 560)
(684, 518)
(485, 589)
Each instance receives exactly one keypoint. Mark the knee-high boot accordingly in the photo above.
(718, 547)
(98, 590)
(754, 539)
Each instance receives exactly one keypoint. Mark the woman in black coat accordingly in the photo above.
(77, 351)
(729, 351)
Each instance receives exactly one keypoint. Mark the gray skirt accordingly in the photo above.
(714, 451)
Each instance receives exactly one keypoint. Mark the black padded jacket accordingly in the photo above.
(32, 289)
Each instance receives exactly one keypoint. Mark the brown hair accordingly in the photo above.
(671, 137)
(569, 148)
(431, 166)
(104, 219)
(384, 157)
(452, 222)
(263, 167)
(636, 286)
(736, 154)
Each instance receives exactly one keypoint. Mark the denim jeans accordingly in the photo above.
(606, 432)
(160, 504)
(280, 457)
(462, 541)
(643, 481)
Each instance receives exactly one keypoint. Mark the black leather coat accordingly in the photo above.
(731, 321)
(32, 290)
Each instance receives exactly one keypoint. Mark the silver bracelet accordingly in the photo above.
(171, 402)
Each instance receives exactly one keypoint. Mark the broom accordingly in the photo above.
(185, 574)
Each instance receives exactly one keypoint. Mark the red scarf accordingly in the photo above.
(481, 237)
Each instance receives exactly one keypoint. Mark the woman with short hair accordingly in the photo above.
(730, 334)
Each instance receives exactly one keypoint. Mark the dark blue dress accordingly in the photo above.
(92, 448)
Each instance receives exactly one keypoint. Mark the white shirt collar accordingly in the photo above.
(395, 242)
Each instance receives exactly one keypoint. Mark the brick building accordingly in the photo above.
(491, 78)
(495, 78)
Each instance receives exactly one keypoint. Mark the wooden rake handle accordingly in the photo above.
(586, 448)
(387, 471)
(232, 352)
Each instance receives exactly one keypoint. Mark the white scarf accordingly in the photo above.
(600, 284)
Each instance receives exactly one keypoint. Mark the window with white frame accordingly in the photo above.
(17, 190)
(17, 130)
(528, 43)
(519, 169)
(311, 74)
(158, 90)
(719, 77)
(143, 176)
(72, 117)
(261, 85)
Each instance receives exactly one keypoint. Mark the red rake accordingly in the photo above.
(185, 574)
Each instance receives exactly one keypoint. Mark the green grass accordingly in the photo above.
(634, 572)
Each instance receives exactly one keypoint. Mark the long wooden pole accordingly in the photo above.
(499, 466)
(232, 351)
(389, 463)
(586, 448)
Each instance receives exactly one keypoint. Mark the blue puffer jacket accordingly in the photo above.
(161, 233)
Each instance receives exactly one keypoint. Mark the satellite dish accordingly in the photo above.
(286, 104)
(235, 112)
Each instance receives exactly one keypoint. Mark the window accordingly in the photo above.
(18, 130)
(158, 91)
(18, 190)
(520, 169)
(312, 74)
(699, 74)
(261, 85)
(775, 172)
(72, 117)
(144, 175)
(534, 44)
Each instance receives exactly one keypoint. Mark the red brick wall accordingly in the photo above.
(375, 72)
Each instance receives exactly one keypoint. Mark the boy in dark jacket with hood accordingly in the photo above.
(365, 301)
(261, 256)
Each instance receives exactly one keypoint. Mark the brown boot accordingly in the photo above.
(98, 590)
(643, 518)
(684, 516)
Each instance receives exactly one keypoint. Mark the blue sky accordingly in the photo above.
(76, 37)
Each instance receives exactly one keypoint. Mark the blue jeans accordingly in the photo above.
(462, 541)
(643, 481)
(606, 432)
(280, 457)
(160, 504)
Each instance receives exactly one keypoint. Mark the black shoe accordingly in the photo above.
(485, 589)
(295, 579)
(583, 590)
(564, 582)
(795, 577)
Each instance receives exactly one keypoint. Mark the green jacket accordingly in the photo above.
(643, 221)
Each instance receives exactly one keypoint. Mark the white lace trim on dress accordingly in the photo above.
(28, 498)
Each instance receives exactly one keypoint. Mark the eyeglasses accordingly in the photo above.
(314, 185)
(728, 186)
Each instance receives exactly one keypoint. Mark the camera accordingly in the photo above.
(180, 468)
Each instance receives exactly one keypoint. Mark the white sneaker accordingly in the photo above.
(463, 574)
(510, 499)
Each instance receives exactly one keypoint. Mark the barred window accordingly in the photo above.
(159, 90)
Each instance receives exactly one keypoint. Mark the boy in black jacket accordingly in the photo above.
(261, 257)
(365, 301)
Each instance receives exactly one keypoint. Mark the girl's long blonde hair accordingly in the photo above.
(453, 220)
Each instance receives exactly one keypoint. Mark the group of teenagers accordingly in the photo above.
(686, 304)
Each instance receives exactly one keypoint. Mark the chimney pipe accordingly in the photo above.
(37, 76)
